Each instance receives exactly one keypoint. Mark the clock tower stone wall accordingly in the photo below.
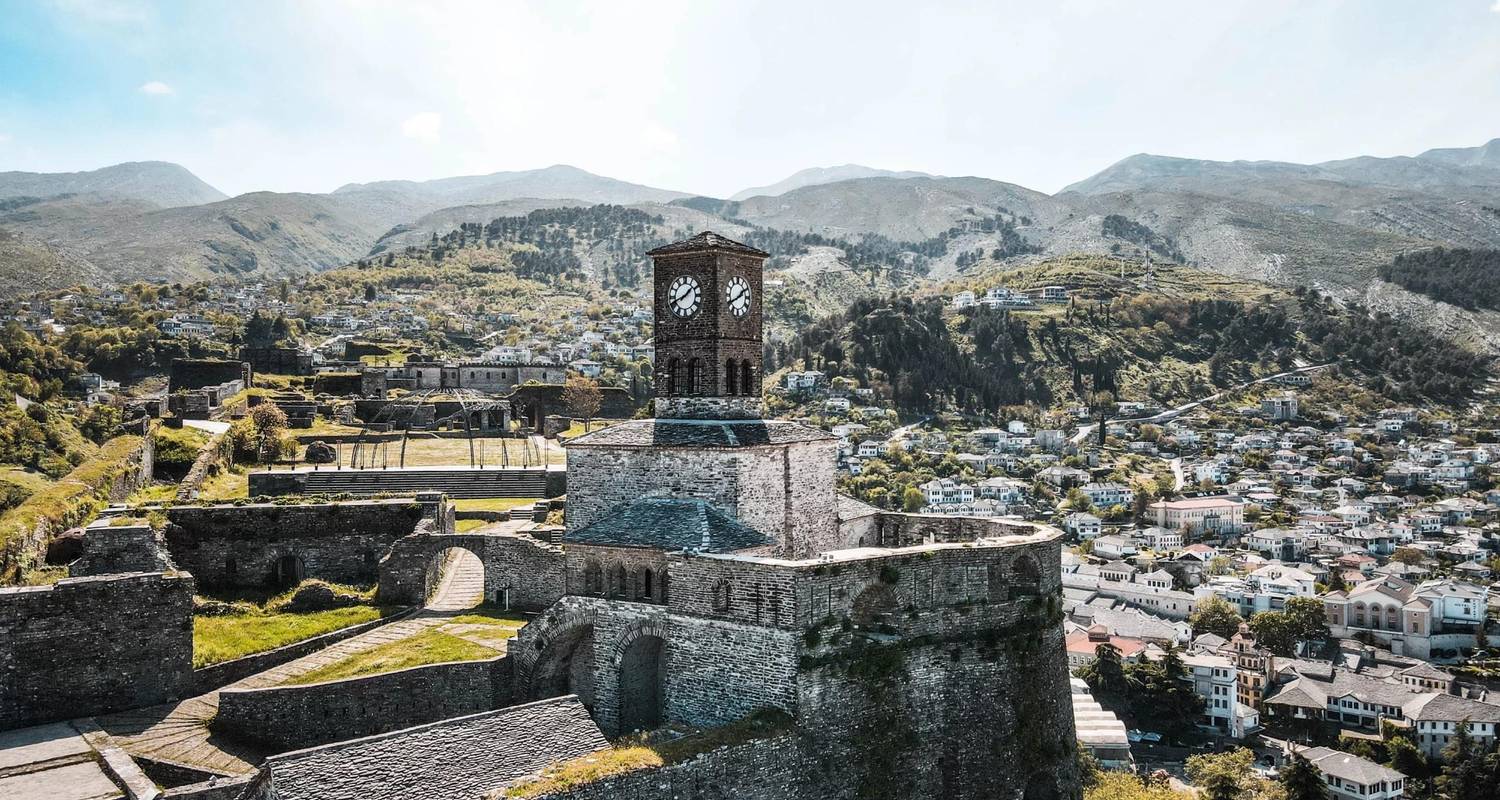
(709, 359)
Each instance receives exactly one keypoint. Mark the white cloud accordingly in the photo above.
(1496, 7)
(156, 87)
(425, 127)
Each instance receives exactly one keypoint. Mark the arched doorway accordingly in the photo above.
(641, 695)
(875, 607)
(289, 570)
(455, 580)
(566, 666)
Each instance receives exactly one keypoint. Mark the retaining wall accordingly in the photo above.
(294, 717)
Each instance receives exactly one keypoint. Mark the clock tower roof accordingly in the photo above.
(707, 240)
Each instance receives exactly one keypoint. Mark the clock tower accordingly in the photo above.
(707, 296)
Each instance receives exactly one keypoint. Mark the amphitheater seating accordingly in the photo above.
(459, 484)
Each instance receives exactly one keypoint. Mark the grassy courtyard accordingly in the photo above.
(256, 620)
(224, 638)
(474, 636)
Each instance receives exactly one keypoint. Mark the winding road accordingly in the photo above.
(1173, 413)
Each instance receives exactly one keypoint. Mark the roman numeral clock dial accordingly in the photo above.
(683, 296)
(737, 294)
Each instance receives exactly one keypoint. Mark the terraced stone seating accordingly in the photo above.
(459, 484)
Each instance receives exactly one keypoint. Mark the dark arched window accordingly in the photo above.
(646, 583)
(721, 596)
(695, 376)
(619, 582)
(731, 376)
(672, 367)
(747, 382)
(593, 578)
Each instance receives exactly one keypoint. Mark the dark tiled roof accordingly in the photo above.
(707, 240)
(670, 524)
(701, 433)
(456, 759)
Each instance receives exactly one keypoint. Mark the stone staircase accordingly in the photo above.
(459, 484)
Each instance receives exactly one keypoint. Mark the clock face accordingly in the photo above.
(683, 296)
(737, 294)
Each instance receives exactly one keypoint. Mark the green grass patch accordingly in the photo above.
(638, 752)
(153, 493)
(74, 499)
(228, 484)
(493, 503)
(467, 525)
(227, 637)
(178, 448)
(431, 646)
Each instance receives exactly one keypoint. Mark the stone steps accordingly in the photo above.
(458, 484)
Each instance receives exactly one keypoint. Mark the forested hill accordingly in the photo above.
(1167, 345)
(1466, 278)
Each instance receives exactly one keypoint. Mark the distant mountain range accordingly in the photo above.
(815, 176)
(1328, 225)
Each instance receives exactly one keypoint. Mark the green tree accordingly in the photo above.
(1216, 615)
(582, 398)
(1463, 776)
(1105, 675)
(1303, 781)
(912, 500)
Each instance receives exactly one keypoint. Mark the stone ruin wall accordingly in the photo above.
(241, 546)
(93, 645)
(284, 718)
(786, 492)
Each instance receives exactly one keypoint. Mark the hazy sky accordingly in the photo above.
(712, 97)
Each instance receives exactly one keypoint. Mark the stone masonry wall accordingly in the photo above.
(94, 645)
(243, 545)
(526, 571)
(113, 548)
(712, 671)
(786, 492)
(285, 718)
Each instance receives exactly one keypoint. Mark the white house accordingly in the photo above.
(1350, 777)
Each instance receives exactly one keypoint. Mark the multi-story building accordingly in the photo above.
(1201, 515)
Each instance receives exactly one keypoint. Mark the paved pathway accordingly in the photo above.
(179, 732)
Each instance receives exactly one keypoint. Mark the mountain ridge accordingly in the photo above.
(815, 176)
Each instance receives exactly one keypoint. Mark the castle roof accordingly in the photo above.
(704, 433)
(456, 758)
(707, 240)
(670, 524)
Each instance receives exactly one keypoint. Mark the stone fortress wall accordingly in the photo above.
(917, 668)
(94, 645)
(786, 491)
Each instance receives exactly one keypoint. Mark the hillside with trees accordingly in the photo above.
(1466, 278)
(1168, 345)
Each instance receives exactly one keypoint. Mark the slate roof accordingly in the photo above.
(707, 240)
(701, 434)
(1349, 767)
(456, 759)
(670, 524)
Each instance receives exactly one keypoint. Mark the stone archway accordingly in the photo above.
(642, 695)
(566, 666)
(875, 606)
(455, 580)
(289, 570)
